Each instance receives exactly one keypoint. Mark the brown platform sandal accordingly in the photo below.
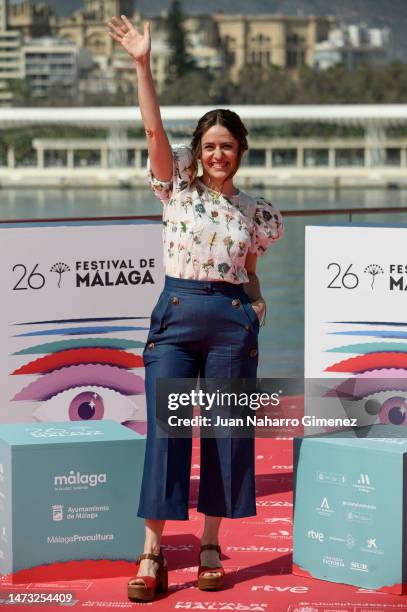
(151, 586)
(210, 583)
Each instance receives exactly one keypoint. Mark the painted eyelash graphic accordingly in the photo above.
(376, 334)
(378, 389)
(370, 347)
(81, 356)
(82, 330)
(62, 345)
(370, 361)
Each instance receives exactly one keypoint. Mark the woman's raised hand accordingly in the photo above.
(122, 31)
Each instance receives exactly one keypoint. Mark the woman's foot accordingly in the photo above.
(151, 577)
(210, 558)
(210, 571)
(147, 567)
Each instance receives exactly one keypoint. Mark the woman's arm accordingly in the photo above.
(138, 46)
(252, 288)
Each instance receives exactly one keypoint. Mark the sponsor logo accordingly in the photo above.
(76, 480)
(359, 567)
(348, 540)
(305, 609)
(324, 508)
(359, 517)
(364, 484)
(331, 478)
(364, 479)
(224, 605)
(279, 589)
(58, 512)
(371, 547)
(282, 519)
(178, 547)
(53, 432)
(274, 504)
(281, 534)
(316, 535)
(333, 561)
(358, 505)
(81, 513)
(75, 538)
(266, 549)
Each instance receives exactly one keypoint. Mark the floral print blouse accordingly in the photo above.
(207, 235)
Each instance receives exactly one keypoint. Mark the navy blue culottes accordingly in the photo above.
(210, 329)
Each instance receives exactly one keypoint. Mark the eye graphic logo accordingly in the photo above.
(87, 377)
(60, 268)
(379, 371)
(373, 270)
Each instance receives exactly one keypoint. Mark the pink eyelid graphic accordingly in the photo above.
(70, 377)
(369, 383)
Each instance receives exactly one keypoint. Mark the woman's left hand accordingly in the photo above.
(259, 307)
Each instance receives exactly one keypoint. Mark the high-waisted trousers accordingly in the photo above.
(208, 329)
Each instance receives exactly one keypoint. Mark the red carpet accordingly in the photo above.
(257, 558)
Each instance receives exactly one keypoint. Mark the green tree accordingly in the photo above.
(21, 90)
(180, 60)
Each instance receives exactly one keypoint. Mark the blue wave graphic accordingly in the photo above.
(77, 331)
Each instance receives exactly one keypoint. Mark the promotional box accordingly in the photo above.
(350, 507)
(69, 491)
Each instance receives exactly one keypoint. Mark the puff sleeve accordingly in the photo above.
(267, 227)
(181, 175)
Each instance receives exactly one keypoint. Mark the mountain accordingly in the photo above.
(376, 13)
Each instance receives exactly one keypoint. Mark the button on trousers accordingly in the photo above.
(208, 329)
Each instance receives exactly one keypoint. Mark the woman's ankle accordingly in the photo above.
(152, 549)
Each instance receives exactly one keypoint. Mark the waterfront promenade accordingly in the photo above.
(309, 145)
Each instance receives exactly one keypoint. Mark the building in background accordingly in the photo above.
(352, 46)
(220, 43)
(50, 62)
(3, 15)
(287, 42)
(32, 19)
(10, 57)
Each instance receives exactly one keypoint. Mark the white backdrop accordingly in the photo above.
(356, 306)
(71, 288)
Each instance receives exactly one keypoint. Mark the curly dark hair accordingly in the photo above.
(219, 116)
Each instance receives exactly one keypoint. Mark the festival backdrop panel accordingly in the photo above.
(76, 304)
(356, 322)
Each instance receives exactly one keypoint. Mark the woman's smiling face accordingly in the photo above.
(219, 154)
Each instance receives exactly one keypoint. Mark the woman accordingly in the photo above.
(206, 320)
